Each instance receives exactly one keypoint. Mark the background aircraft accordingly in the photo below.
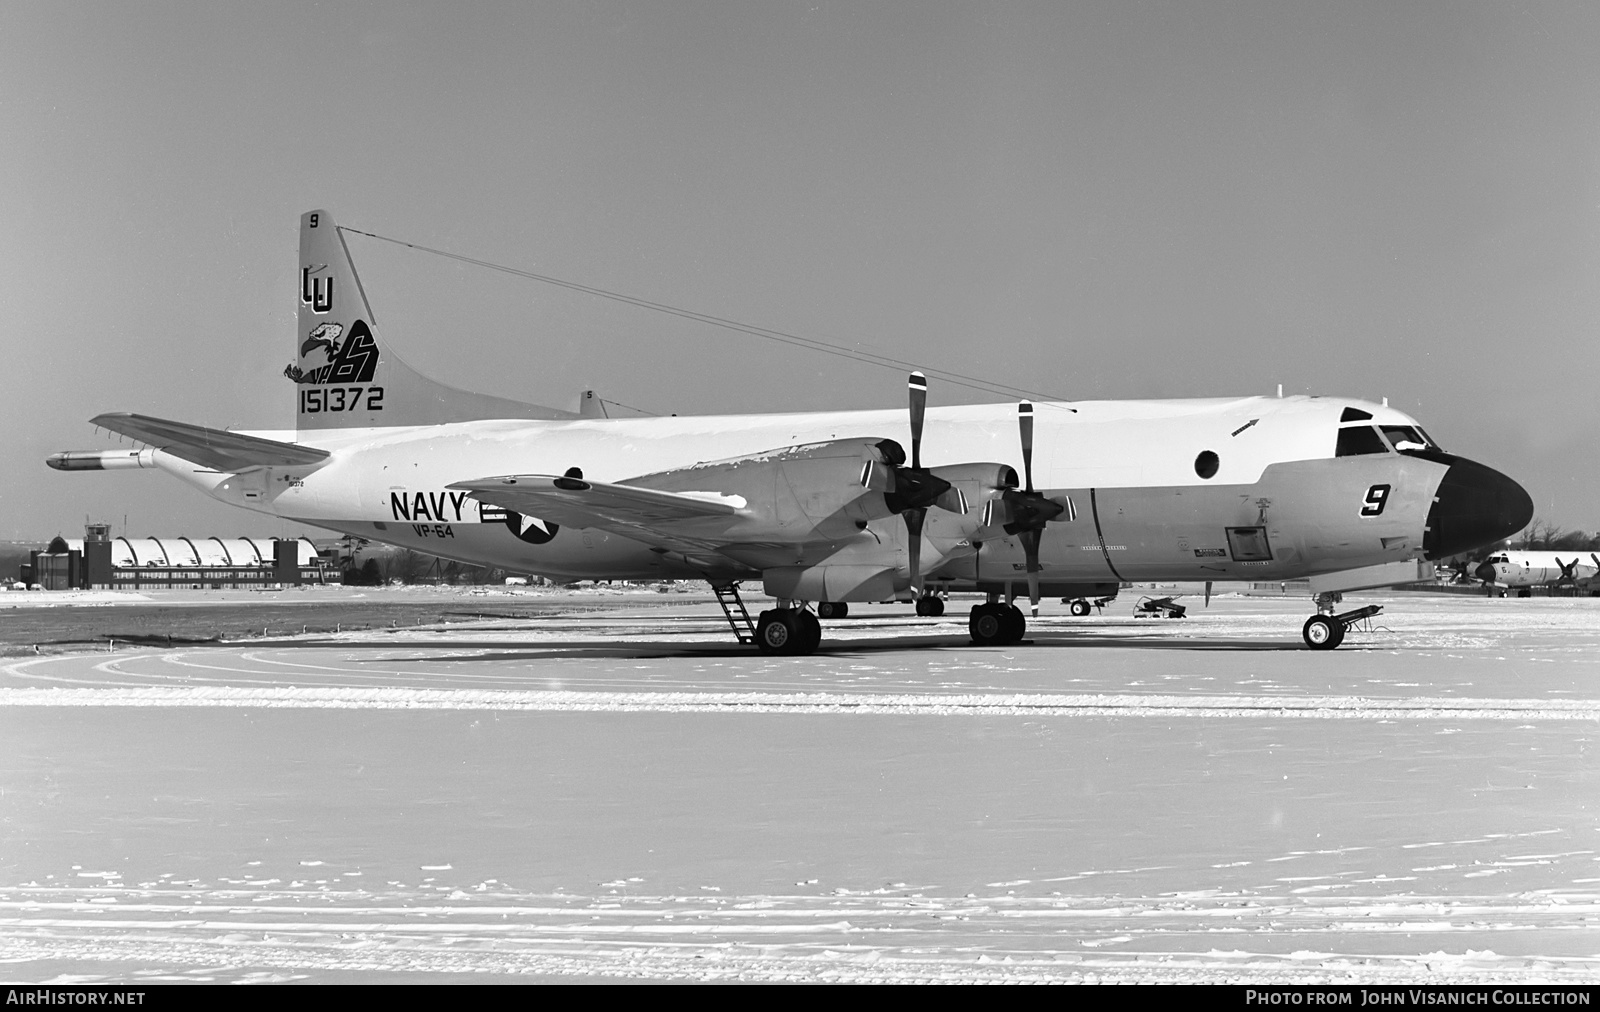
(1521, 570)
(829, 507)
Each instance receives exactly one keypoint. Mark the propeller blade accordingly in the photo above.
(918, 386)
(914, 547)
(1025, 423)
(1030, 551)
(1567, 574)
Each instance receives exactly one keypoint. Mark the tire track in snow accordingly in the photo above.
(813, 703)
(856, 937)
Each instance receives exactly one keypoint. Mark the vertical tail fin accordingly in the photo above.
(344, 376)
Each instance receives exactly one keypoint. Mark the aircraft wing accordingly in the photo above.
(217, 448)
(657, 518)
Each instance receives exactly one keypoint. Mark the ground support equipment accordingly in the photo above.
(1158, 607)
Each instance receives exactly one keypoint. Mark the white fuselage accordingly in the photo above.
(1122, 458)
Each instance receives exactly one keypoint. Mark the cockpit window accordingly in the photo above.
(1355, 440)
(1355, 415)
(1407, 437)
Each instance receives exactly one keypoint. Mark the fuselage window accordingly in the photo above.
(1355, 440)
(1205, 465)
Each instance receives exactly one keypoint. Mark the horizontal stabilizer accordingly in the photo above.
(214, 448)
(579, 503)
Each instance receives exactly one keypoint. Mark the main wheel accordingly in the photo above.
(832, 609)
(1321, 632)
(776, 632)
(1013, 623)
(1080, 607)
(986, 624)
(808, 632)
(930, 606)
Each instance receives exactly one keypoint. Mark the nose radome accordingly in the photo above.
(1474, 506)
(1484, 572)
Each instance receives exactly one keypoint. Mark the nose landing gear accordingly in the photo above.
(1325, 631)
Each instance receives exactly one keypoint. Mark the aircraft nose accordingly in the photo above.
(1484, 572)
(1474, 506)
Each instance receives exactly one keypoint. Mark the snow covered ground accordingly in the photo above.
(629, 794)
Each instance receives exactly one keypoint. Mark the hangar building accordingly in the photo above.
(99, 561)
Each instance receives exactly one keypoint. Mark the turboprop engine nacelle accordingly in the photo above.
(982, 486)
(878, 570)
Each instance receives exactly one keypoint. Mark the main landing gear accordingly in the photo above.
(996, 625)
(791, 630)
(1325, 630)
(788, 631)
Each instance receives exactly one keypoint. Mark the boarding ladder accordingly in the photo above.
(733, 608)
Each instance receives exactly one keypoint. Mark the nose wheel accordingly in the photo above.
(1326, 632)
(1323, 632)
(930, 606)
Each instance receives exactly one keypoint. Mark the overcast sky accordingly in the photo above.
(1095, 200)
